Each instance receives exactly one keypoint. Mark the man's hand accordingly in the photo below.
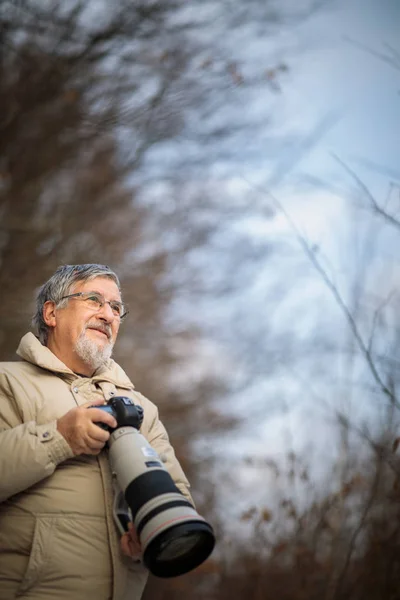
(78, 428)
(130, 544)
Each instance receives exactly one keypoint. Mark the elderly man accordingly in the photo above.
(58, 540)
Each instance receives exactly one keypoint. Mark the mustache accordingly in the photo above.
(103, 327)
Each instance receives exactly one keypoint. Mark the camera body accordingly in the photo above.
(124, 411)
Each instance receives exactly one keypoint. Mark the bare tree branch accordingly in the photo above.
(312, 256)
(337, 590)
(377, 313)
(374, 204)
(392, 58)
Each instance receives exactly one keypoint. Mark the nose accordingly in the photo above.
(106, 313)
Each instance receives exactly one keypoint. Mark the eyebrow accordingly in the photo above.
(101, 294)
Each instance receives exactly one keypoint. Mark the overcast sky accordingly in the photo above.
(336, 98)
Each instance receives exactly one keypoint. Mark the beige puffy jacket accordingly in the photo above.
(58, 540)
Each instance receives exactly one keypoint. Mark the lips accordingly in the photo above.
(104, 332)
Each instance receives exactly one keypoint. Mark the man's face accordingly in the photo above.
(89, 333)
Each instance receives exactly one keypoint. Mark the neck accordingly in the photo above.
(70, 359)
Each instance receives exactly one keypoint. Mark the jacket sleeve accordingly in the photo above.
(157, 436)
(28, 452)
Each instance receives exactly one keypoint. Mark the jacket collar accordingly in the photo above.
(31, 350)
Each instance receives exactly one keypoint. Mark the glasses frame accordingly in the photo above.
(81, 294)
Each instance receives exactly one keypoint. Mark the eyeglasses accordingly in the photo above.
(96, 301)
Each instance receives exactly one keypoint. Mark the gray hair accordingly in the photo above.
(60, 285)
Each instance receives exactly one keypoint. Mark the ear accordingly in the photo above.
(49, 313)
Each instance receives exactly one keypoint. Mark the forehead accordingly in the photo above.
(104, 285)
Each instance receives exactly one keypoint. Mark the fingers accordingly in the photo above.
(133, 534)
(125, 544)
(93, 446)
(89, 444)
(78, 426)
(130, 544)
(97, 415)
(95, 432)
(84, 443)
(94, 438)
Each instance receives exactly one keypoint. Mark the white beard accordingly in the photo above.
(92, 354)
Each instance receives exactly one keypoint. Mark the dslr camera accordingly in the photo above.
(174, 537)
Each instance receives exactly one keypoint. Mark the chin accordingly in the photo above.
(92, 351)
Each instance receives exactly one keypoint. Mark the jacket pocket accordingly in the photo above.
(40, 553)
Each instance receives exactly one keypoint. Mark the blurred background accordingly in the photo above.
(237, 164)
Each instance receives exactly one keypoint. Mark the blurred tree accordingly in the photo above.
(63, 196)
(85, 90)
